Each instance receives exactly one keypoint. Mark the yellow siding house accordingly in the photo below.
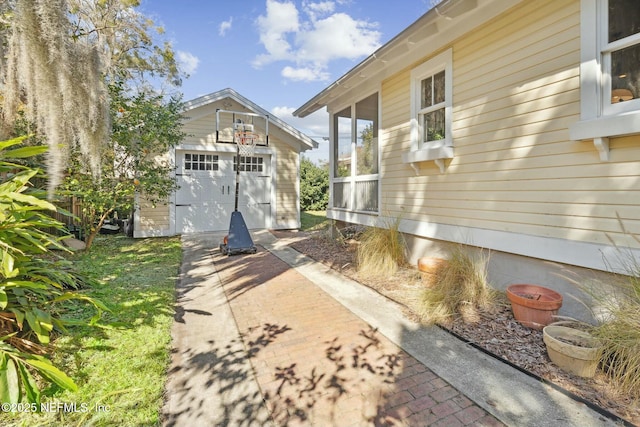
(501, 124)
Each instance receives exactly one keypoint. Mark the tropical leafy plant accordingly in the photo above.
(35, 284)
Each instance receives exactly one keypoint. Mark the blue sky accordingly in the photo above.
(278, 53)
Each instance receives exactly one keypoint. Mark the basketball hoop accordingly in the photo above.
(246, 143)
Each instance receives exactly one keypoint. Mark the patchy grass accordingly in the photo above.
(314, 220)
(122, 368)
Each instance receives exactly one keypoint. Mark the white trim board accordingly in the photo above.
(581, 254)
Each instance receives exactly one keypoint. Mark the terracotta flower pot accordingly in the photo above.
(430, 265)
(572, 350)
(532, 305)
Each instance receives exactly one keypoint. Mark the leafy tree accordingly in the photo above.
(365, 154)
(35, 285)
(57, 58)
(130, 43)
(314, 186)
(145, 127)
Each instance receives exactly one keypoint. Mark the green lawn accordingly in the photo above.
(314, 220)
(120, 371)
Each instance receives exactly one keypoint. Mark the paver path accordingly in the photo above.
(316, 363)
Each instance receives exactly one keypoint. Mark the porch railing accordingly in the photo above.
(356, 195)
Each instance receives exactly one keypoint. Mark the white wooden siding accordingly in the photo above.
(516, 92)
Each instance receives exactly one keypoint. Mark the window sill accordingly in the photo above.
(435, 153)
(601, 129)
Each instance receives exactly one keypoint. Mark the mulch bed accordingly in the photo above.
(498, 333)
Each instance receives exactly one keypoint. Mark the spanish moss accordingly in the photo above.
(57, 79)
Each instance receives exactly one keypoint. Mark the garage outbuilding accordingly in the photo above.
(205, 171)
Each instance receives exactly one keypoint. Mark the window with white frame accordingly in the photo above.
(609, 71)
(431, 114)
(431, 106)
(621, 55)
(200, 162)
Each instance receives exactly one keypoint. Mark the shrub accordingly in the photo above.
(314, 186)
(458, 287)
(381, 250)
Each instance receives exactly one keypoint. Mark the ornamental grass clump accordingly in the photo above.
(381, 251)
(458, 287)
(619, 332)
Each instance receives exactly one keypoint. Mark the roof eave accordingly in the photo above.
(426, 27)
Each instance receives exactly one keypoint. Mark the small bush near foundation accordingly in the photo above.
(381, 251)
(458, 287)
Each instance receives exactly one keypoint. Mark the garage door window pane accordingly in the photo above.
(201, 162)
(250, 164)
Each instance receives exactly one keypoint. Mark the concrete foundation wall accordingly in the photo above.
(505, 269)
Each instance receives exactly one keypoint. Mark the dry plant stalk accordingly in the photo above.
(616, 306)
(381, 251)
(619, 333)
(459, 288)
(8, 326)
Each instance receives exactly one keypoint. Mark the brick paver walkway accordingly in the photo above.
(318, 364)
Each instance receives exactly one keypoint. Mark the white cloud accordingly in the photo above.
(225, 26)
(281, 18)
(311, 44)
(316, 9)
(315, 125)
(188, 62)
(304, 74)
(338, 36)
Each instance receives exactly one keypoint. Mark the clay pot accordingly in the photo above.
(573, 350)
(430, 265)
(532, 305)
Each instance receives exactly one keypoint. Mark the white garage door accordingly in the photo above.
(206, 196)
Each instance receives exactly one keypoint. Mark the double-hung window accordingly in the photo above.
(621, 55)
(431, 112)
(609, 72)
(431, 107)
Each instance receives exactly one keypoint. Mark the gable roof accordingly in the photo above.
(435, 29)
(307, 142)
